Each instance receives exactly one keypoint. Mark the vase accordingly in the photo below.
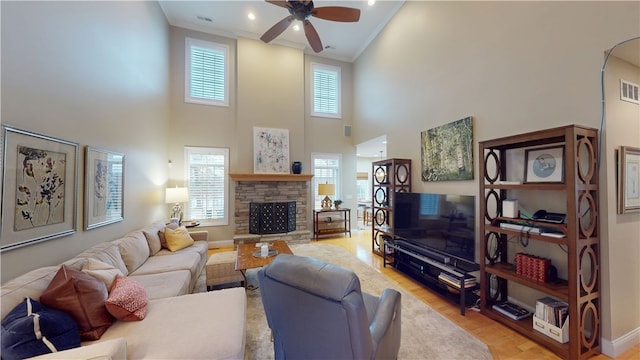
(296, 167)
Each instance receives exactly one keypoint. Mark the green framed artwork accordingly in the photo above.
(447, 151)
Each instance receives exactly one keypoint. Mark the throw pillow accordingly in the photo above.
(127, 300)
(101, 271)
(177, 239)
(163, 239)
(32, 329)
(82, 296)
(151, 233)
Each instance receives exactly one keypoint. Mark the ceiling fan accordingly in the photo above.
(301, 10)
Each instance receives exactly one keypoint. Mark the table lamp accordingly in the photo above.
(326, 189)
(177, 196)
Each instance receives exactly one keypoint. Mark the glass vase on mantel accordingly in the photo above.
(296, 167)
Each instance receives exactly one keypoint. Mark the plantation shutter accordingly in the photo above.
(207, 180)
(326, 91)
(326, 170)
(206, 73)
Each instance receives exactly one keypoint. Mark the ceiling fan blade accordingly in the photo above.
(337, 13)
(312, 36)
(277, 29)
(284, 4)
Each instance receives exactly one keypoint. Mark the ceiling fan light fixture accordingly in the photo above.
(302, 10)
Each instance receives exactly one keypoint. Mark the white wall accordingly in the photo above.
(621, 245)
(94, 73)
(515, 67)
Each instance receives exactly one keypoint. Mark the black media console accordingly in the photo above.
(443, 274)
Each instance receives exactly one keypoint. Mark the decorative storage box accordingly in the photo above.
(531, 266)
(560, 335)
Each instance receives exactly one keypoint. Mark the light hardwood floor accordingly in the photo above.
(503, 342)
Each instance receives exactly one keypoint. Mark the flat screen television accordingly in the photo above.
(437, 222)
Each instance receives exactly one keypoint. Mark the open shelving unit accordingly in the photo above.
(581, 291)
(389, 176)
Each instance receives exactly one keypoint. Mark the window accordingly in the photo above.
(207, 178)
(206, 73)
(325, 92)
(326, 170)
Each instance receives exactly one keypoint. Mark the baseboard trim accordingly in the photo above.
(616, 347)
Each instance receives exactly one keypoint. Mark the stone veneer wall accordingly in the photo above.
(271, 191)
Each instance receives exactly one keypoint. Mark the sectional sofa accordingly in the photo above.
(178, 324)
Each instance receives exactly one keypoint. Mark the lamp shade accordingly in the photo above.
(326, 189)
(177, 195)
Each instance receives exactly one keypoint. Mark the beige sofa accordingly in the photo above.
(179, 324)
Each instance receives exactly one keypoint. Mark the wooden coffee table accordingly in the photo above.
(245, 259)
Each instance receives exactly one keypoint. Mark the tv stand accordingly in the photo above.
(440, 273)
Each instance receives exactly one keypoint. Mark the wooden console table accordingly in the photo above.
(333, 221)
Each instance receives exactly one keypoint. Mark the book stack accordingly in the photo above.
(511, 310)
(533, 267)
(454, 281)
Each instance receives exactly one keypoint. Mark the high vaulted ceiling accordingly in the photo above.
(342, 41)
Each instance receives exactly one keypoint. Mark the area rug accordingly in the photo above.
(425, 333)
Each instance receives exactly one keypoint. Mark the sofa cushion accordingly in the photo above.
(153, 239)
(134, 250)
(32, 329)
(177, 239)
(166, 284)
(127, 300)
(104, 350)
(107, 252)
(31, 284)
(101, 271)
(82, 296)
(220, 314)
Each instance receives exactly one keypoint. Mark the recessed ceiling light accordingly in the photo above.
(371, 2)
(251, 16)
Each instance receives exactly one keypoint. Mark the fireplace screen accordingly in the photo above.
(272, 217)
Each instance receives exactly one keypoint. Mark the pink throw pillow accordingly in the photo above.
(128, 299)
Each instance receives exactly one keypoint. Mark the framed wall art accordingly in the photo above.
(270, 150)
(628, 179)
(544, 165)
(39, 187)
(104, 187)
(447, 151)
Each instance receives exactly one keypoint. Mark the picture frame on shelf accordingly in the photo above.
(39, 187)
(628, 179)
(544, 165)
(104, 187)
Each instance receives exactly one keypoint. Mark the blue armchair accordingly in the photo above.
(317, 311)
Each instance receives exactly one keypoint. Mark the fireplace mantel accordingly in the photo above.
(270, 177)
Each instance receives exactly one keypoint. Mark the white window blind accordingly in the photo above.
(114, 186)
(207, 179)
(326, 170)
(326, 91)
(206, 75)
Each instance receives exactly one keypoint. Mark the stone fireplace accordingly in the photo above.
(271, 188)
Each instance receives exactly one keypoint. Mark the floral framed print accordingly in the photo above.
(628, 179)
(544, 165)
(103, 187)
(39, 187)
(270, 151)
